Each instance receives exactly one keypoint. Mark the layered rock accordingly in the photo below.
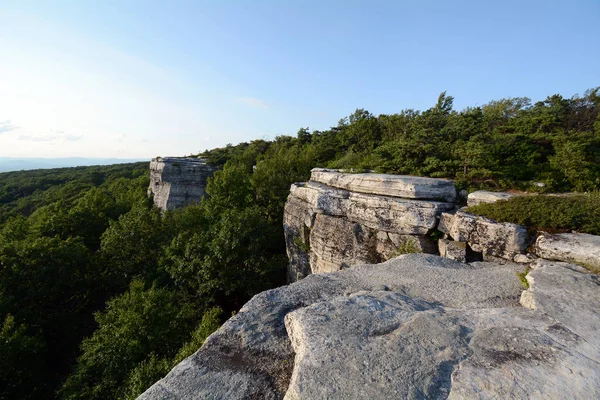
(328, 228)
(417, 326)
(408, 187)
(579, 248)
(178, 181)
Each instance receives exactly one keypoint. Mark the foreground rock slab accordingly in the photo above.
(579, 248)
(376, 345)
(251, 354)
(417, 326)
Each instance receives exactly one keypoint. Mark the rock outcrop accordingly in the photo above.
(178, 181)
(337, 220)
(417, 326)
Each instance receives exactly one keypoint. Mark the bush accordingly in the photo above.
(580, 212)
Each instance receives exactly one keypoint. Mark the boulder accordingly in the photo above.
(404, 186)
(178, 181)
(483, 196)
(491, 238)
(579, 248)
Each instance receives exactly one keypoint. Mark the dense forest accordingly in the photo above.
(101, 294)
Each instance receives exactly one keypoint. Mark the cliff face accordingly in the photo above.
(178, 181)
(337, 220)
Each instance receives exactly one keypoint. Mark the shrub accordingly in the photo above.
(578, 212)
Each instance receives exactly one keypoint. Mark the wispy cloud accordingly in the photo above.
(6, 126)
(52, 137)
(253, 102)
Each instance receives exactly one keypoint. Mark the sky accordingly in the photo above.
(137, 79)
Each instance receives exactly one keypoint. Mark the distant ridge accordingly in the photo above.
(8, 164)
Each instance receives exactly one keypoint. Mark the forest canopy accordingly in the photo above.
(101, 294)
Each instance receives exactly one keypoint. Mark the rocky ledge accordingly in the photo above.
(417, 326)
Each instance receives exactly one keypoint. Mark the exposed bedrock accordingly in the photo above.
(178, 181)
(337, 220)
(417, 326)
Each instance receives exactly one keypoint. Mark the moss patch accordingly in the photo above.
(522, 277)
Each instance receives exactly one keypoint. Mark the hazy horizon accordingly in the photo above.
(11, 164)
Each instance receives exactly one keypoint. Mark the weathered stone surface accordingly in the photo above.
(178, 181)
(579, 248)
(377, 345)
(453, 250)
(483, 196)
(408, 187)
(515, 362)
(336, 243)
(298, 219)
(550, 353)
(251, 355)
(402, 216)
(570, 295)
(491, 238)
(381, 345)
(524, 258)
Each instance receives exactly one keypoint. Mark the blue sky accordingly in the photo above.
(146, 78)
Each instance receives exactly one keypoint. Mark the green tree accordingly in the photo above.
(132, 245)
(135, 325)
(237, 257)
(22, 363)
